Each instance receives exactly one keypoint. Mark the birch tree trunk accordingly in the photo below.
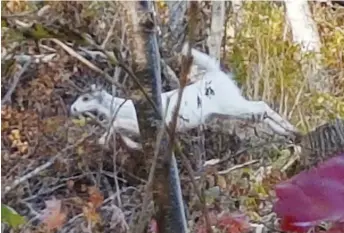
(170, 214)
(305, 34)
(216, 30)
(238, 14)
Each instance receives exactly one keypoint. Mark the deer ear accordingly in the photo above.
(185, 49)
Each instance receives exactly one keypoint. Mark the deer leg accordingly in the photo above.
(277, 122)
(261, 111)
(104, 140)
(118, 124)
(130, 143)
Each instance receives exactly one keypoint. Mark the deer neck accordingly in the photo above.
(109, 104)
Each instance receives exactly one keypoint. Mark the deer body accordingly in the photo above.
(216, 93)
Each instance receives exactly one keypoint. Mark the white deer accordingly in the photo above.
(215, 94)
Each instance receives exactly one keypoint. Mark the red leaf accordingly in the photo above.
(95, 196)
(287, 224)
(153, 226)
(312, 196)
(233, 223)
(225, 221)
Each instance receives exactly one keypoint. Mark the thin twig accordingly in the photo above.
(201, 197)
(115, 152)
(17, 15)
(193, 11)
(72, 220)
(236, 167)
(297, 100)
(173, 125)
(22, 58)
(7, 97)
(170, 75)
(110, 32)
(88, 63)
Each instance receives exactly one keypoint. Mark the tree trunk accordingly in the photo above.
(305, 34)
(176, 11)
(216, 30)
(238, 14)
(170, 214)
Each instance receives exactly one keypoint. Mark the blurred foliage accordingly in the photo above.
(11, 217)
(265, 63)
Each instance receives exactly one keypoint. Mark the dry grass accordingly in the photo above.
(265, 62)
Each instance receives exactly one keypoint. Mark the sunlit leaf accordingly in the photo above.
(80, 150)
(90, 213)
(80, 121)
(11, 217)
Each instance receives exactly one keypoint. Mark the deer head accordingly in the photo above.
(91, 101)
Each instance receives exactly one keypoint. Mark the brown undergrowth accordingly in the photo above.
(61, 183)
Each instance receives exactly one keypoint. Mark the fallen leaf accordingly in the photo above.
(16, 6)
(153, 226)
(226, 222)
(231, 223)
(70, 184)
(90, 213)
(52, 216)
(80, 150)
(96, 197)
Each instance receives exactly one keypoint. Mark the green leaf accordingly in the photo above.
(4, 23)
(80, 121)
(11, 217)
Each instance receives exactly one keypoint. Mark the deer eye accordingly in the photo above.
(85, 98)
(102, 117)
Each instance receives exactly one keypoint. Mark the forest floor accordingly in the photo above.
(54, 173)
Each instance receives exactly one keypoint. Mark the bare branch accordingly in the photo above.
(7, 97)
(88, 63)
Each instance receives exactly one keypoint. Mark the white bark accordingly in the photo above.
(305, 34)
(303, 27)
(237, 10)
(216, 30)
